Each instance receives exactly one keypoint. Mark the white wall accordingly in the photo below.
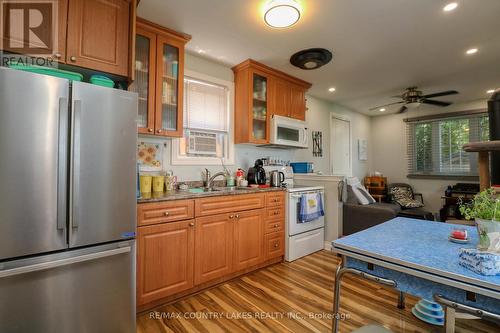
(389, 156)
(245, 155)
(318, 119)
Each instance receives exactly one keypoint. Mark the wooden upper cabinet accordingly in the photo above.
(165, 260)
(282, 98)
(145, 79)
(159, 79)
(98, 35)
(260, 93)
(297, 102)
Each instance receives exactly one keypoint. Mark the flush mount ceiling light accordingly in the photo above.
(381, 109)
(451, 6)
(281, 13)
(471, 51)
(332, 89)
(491, 91)
(311, 58)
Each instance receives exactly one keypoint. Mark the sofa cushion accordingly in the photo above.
(404, 196)
(359, 192)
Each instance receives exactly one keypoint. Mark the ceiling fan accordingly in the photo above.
(413, 97)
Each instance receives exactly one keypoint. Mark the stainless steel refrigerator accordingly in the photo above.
(67, 205)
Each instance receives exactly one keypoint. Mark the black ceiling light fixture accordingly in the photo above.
(311, 58)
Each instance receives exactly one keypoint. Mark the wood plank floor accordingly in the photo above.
(292, 297)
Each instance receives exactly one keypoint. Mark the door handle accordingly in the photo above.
(62, 163)
(75, 173)
(62, 262)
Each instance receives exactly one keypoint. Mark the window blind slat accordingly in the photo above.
(434, 147)
(205, 106)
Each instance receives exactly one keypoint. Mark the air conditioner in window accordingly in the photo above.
(202, 143)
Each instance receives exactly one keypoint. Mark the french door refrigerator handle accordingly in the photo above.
(75, 173)
(62, 163)
(63, 262)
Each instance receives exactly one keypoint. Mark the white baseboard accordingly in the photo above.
(328, 246)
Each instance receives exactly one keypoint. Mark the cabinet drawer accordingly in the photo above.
(277, 213)
(274, 244)
(228, 204)
(161, 212)
(275, 199)
(273, 226)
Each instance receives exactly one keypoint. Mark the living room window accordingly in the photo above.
(435, 145)
(208, 137)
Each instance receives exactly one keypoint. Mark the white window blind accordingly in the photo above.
(435, 146)
(205, 105)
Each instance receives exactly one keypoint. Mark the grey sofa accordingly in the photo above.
(358, 217)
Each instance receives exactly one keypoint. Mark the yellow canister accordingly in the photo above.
(145, 183)
(158, 183)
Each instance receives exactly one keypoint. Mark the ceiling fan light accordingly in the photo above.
(413, 105)
(281, 13)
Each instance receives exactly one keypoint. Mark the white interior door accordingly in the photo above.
(340, 143)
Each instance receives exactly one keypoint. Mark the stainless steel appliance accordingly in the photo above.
(277, 178)
(67, 205)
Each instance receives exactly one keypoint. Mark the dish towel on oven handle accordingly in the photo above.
(311, 207)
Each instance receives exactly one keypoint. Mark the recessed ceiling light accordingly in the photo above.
(281, 13)
(471, 51)
(381, 109)
(491, 91)
(451, 6)
(332, 89)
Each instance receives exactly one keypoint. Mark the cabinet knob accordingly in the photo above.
(237, 216)
(231, 216)
(276, 225)
(166, 213)
(276, 244)
(158, 131)
(72, 58)
(150, 130)
(57, 55)
(191, 224)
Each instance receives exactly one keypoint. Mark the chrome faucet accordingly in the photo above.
(210, 180)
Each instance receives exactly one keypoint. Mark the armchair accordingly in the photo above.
(411, 209)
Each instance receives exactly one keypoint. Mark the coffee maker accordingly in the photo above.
(257, 174)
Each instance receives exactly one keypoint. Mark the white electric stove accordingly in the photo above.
(301, 239)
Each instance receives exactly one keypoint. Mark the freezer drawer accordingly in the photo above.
(33, 158)
(86, 290)
(103, 165)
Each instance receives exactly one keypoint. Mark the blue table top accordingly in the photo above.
(417, 244)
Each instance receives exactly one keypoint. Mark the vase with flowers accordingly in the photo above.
(485, 210)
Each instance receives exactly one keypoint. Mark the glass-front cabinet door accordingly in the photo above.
(144, 83)
(259, 108)
(169, 68)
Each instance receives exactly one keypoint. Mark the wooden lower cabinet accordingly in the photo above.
(175, 258)
(213, 247)
(274, 244)
(165, 260)
(248, 237)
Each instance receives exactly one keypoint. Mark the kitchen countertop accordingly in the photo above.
(180, 195)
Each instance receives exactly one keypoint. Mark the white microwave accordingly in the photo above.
(288, 133)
